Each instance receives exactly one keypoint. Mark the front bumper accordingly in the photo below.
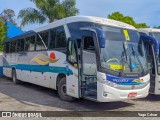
(112, 94)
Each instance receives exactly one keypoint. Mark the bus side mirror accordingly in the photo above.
(102, 43)
(102, 39)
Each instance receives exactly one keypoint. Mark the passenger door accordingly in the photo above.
(152, 62)
(88, 65)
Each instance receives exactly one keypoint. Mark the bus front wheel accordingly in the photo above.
(14, 77)
(62, 91)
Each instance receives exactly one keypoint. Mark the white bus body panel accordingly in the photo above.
(72, 83)
(114, 94)
(7, 72)
(118, 95)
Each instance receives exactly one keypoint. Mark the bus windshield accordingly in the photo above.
(124, 51)
(156, 35)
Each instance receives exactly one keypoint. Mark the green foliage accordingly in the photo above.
(47, 11)
(126, 19)
(8, 15)
(3, 36)
(70, 9)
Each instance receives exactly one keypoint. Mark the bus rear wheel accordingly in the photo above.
(62, 91)
(14, 77)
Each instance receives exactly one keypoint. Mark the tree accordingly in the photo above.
(47, 11)
(70, 9)
(157, 27)
(3, 30)
(126, 19)
(8, 15)
(141, 25)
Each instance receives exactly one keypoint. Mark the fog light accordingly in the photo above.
(105, 94)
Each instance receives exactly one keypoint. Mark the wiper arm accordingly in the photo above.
(125, 52)
(134, 53)
(122, 61)
(130, 60)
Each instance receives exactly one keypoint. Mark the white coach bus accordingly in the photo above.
(94, 58)
(153, 49)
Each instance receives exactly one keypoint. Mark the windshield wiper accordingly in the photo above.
(124, 54)
(122, 58)
(134, 53)
(130, 60)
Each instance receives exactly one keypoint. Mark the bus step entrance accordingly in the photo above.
(152, 84)
(89, 86)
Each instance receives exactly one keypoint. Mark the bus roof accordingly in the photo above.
(85, 19)
(72, 19)
(147, 30)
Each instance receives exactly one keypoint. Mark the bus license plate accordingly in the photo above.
(132, 95)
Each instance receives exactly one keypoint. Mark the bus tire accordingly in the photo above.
(14, 77)
(62, 91)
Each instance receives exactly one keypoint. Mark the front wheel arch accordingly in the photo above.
(14, 77)
(63, 96)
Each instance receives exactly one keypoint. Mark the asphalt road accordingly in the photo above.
(29, 97)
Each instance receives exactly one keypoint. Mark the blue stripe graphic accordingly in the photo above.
(41, 68)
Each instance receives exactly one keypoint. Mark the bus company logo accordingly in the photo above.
(120, 80)
(45, 60)
(138, 81)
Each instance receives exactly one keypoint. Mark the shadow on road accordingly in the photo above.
(150, 97)
(34, 95)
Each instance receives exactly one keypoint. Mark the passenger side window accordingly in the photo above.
(7, 47)
(45, 36)
(52, 44)
(13, 46)
(58, 38)
(30, 43)
(26, 44)
(39, 43)
(20, 45)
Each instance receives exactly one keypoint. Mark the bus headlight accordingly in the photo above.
(109, 83)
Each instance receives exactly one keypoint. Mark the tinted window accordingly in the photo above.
(88, 43)
(13, 46)
(45, 37)
(58, 38)
(30, 43)
(7, 47)
(20, 45)
(39, 43)
(75, 31)
(26, 44)
(53, 38)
